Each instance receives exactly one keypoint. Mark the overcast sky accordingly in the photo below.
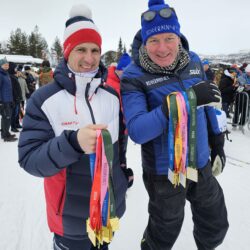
(211, 26)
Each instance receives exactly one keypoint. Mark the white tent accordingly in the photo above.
(22, 59)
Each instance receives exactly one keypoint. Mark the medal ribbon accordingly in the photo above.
(103, 221)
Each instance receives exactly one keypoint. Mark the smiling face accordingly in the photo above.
(163, 48)
(85, 57)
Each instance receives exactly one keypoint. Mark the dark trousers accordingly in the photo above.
(225, 107)
(166, 211)
(15, 116)
(6, 112)
(241, 108)
(61, 243)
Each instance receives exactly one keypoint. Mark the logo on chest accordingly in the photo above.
(194, 72)
(69, 123)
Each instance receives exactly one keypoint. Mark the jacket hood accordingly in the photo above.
(137, 42)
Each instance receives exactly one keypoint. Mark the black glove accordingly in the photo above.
(218, 157)
(207, 92)
(129, 175)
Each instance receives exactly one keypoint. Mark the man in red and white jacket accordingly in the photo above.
(59, 133)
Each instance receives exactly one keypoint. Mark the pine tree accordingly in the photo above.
(119, 50)
(18, 43)
(15, 42)
(108, 57)
(124, 49)
(130, 49)
(24, 50)
(4, 48)
(38, 47)
(57, 50)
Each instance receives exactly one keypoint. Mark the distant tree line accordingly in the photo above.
(34, 44)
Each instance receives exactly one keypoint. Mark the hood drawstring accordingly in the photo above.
(71, 76)
(75, 109)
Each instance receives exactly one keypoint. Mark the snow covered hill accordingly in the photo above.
(22, 210)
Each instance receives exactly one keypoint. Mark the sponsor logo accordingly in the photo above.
(157, 80)
(70, 123)
(161, 28)
(194, 72)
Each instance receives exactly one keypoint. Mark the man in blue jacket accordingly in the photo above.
(6, 100)
(59, 133)
(162, 66)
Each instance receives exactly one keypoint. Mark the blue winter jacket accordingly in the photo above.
(6, 95)
(142, 97)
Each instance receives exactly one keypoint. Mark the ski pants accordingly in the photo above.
(240, 113)
(6, 112)
(61, 243)
(166, 211)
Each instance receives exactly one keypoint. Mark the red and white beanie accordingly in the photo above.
(80, 28)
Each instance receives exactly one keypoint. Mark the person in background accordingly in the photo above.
(237, 69)
(6, 100)
(60, 131)
(22, 81)
(163, 68)
(228, 86)
(209, 73)
(243, 67)
(30, 80)
(45, 74)
(242, 100)
(17, 97)
(113, 80)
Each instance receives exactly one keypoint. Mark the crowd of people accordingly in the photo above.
(17, 83)
(234, 84)
(163, 97)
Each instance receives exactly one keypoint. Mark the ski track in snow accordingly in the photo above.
(23, 223)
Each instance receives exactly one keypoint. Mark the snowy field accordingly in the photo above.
(22, 208)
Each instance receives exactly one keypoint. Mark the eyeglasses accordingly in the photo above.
(151, 14)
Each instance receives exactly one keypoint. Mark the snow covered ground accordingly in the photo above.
(22, 208)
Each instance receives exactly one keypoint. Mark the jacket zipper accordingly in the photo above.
(88, 103)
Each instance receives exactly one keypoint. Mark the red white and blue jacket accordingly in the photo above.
(47, 146)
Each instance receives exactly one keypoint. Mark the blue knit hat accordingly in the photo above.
(159, 24)
(205, 62)
(123, 62)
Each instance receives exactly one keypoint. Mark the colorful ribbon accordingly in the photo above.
(182, 137)
(103, 221)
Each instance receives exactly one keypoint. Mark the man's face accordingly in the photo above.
(205, 67)
(85, 57)
(163, 48)
(5, 66)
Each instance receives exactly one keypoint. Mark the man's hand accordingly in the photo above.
(207, 93)
(87, 137)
